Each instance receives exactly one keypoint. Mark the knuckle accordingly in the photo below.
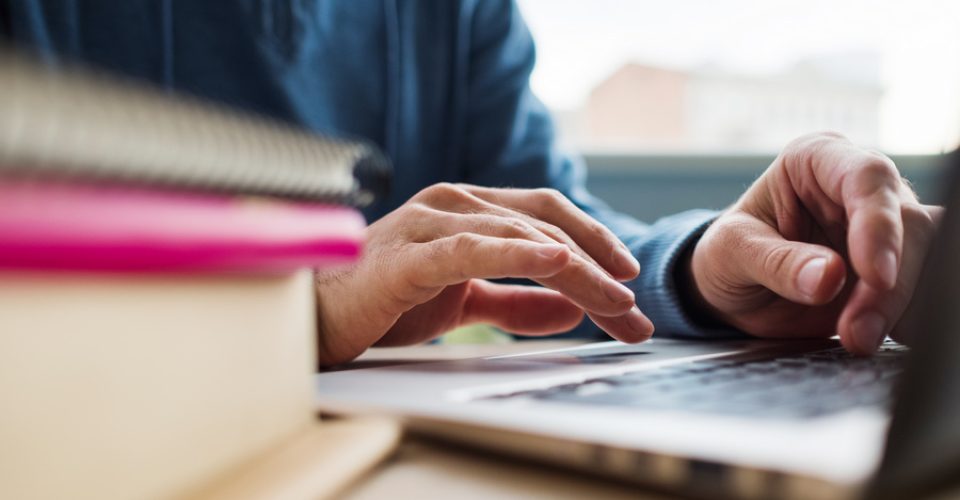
(880, 167)
(417, 211)
(416, 221)
(462, 244)
(437, 251)
(550, 196)
(874, 178)
(908, 191)
(728, 232)
(444, 188)
(599, 231)
(824, 138)
(776, 261)
(447, 256)
(829, 135)
(440, 191)
(805, 147)
(510, 248)
(517, 228)
(553, 232)
(918, 220)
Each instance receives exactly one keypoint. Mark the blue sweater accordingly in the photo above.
(441, 85)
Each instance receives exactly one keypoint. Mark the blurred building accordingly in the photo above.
(641, 107)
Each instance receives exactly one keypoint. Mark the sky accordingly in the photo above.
(581, 41)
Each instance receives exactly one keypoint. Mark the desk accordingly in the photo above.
(427, 469)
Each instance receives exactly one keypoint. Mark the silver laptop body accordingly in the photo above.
(744, 419)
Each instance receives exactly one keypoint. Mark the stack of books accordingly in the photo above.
(157, 315)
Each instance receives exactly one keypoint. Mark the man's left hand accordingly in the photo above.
(829, 240)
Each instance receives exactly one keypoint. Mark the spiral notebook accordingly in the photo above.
(98, 172)
(78, 123)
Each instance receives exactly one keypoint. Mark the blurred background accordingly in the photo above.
(681, 104)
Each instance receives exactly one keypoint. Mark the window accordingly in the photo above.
(746, 76)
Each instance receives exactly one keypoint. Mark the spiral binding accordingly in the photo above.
(70, 122)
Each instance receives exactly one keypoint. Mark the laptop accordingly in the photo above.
(738, 419)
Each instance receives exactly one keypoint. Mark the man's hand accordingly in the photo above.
(829, 240)
(426, 263)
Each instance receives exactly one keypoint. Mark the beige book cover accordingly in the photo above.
(122, 387)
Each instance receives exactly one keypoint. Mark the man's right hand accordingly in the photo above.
(426, 264)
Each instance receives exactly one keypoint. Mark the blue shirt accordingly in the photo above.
(441, 85)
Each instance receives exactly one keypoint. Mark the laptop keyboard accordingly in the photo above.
(803, 385)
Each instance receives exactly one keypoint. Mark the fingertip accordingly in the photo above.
(629, 267)
(864, 334)
(641, 328)
(561, 316)
(632, 327)
(575, 317)
(521, 309)
(846, 340)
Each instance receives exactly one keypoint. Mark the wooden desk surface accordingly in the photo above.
(429, 469)
(422, 469)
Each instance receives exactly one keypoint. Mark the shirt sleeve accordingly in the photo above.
(510, 142)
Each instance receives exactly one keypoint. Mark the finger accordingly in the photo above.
(552, 207)
(590, 288)
(868, 187)
(907, 327)
(871, 314)
(527, 310)
(804, 273)
(867, 319)
(582, 280)
(493, 223)
(632, 327)
(456, 259)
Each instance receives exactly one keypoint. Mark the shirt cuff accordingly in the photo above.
(656, 287)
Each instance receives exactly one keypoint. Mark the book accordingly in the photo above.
(70, 122)
(148, 386)
(98, 172)
(157, 301)
(112, 228)
(120, 386)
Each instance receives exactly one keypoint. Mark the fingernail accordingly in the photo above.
(639, 323)
(550, 251)
(887, 268)
(869, 331)
(811, 274)
(616, 292)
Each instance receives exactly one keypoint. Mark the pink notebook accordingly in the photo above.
(61, 226)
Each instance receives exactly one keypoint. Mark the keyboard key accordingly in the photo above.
(799, 386)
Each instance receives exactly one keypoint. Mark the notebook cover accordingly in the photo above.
(61, 226)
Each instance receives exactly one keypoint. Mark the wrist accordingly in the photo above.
(331, 345)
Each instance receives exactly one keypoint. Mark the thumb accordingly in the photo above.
(804, 273)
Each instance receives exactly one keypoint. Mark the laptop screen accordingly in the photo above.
(923, 445)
